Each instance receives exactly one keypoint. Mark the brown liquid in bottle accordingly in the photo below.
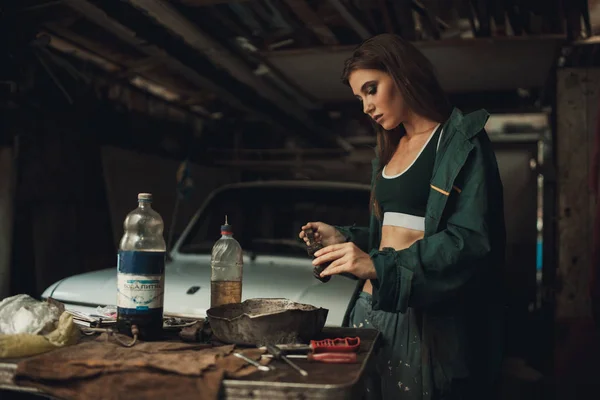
(225, 292)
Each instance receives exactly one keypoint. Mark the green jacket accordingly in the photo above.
(453, 276)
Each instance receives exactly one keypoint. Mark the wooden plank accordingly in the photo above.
(312, 20)
(354, 23)
(389, 26)
(150, 69)
(204, 3)
(74, 50)
(265, 97)
(574, 223)
(99, 48)
(593, 97)
(6, 218)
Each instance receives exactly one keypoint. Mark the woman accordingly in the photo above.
(430, 263)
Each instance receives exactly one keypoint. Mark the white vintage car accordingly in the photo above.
(266, 218)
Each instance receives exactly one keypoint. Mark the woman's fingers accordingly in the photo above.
(342, 266)
(335, 266)
(315, 227)
(330, 255)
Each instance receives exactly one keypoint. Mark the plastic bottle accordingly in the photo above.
(141, 272)
(226, 269)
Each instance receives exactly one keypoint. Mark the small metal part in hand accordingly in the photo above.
(252, 362)
(278, 355)
(312, 247)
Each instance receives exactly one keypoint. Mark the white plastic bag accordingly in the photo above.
(24, 314)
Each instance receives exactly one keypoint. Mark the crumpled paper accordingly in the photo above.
(24, 314)
(26, 344)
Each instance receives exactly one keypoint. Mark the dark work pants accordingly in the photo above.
(398, 369)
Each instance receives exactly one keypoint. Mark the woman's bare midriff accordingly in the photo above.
(397, 238)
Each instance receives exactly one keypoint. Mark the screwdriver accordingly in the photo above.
(252, 362)
(278, 355)
(327, 358)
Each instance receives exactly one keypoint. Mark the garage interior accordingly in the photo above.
(102, 100)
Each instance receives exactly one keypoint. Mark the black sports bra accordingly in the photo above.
(403, 197)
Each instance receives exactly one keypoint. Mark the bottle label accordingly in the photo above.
(140, 280)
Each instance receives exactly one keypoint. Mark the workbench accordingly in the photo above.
(324, 381)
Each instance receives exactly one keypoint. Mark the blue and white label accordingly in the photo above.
(140, 280)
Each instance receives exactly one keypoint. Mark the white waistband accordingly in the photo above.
(404, 220)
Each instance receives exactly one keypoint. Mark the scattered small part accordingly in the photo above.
(252, 362)
(198, 332)
(192, 333)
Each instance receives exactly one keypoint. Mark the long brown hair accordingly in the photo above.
(414, 76)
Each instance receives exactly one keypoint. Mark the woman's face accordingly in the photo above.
(380, 97)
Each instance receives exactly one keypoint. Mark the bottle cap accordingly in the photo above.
(145, 197)
(226, 228)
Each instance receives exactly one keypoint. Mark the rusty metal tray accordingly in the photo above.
(324, 381)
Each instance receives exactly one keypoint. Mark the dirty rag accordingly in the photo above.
(103, 369)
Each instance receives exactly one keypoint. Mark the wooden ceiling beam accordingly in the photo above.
(312, 20)
(57, 30)
(128, 66)
(73, 49)
(142, 65)
(167, 16)
(229, 91)
(204, 3)
(387, 20)
(99, 17)
(355, 24)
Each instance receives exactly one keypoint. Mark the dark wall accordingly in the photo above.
(128, 173)
(61, 211)
(63, 223)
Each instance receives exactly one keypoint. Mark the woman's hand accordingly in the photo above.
(326, 234)
(346, 257)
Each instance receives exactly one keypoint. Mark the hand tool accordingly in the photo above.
(278, 355)
(251, 361)
(339, 345)
(326, 358)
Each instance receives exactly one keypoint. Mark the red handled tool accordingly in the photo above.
(339, 345)
(333, 358)
(330, 351)
(326, 358)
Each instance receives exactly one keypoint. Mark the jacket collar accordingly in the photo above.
(466, 125)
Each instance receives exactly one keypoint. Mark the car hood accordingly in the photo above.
(187, 286)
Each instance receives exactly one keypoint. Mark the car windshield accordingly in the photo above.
(266, 220)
